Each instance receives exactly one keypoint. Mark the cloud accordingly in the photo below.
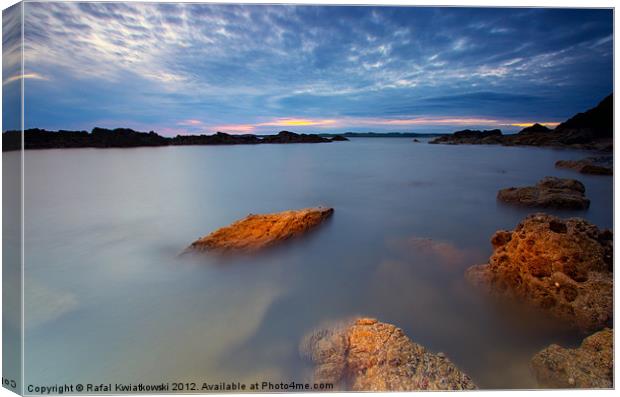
(246, 66)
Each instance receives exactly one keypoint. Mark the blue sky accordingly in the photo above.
(189, 68)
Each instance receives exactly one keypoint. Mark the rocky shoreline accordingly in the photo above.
(591, 130)
(127, 138)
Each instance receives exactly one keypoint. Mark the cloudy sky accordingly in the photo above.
(188, 68)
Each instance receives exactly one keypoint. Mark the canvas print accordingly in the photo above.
(206, 198)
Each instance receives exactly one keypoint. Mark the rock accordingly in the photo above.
(563, 267)
(549, 192)
(592, 129)
(590, 366)
(586, 166)
(471, 137)
(535, 128)
(256, 232)
(291, 137)
(416, 140)
(339, 138)
(367, 355)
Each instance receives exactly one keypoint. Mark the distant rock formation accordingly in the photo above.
(125, 137)
(562, 267)
(257, 232)
(535, 128)
(592, 165)
(549, 192)
(590, 366)
(471, 137)
(291, 137)
(339, 138)
(592, 129)
(367, 355)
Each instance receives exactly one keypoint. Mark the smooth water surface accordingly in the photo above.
(109, 300)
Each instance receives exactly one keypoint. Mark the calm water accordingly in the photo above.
(108, 300)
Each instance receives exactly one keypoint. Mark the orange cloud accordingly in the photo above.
(287, 122)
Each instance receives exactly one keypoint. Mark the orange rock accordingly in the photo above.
(591, 365)
(257, 232)
(368, 355)
(563, 267)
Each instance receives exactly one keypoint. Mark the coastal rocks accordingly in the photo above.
(592, 129)
(291, 137)
(260, 231)
(591, 165)
(549, 192)
(470, 137)
(563, 267)
(367, 355)
(125, 137)
(533, 129)
(339, 138)
(589, 366)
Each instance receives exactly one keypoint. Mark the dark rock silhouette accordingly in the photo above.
(339, 138)
(592, 129)
(126, 138)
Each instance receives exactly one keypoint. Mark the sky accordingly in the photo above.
(200, 68)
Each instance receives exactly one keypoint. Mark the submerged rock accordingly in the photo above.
(589, 366)
(549, 192)
(368, 355)
(590, 165)
(563, 267)
(259, 231)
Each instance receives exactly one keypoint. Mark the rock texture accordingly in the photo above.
(563, 267)
(260, 231)
(549, 192)
(368, 355)
(592, 129)
(592, 165)
(589, 366)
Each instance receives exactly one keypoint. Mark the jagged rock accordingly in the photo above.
(563, 267)
(549, 192)
(590, 165)
(367, 355)
(259, 231)
(534, 128)
(592, 129)
(589, 366)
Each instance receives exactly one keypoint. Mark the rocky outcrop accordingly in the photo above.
(339, 138)
(563, 267)
(590, 366)
(592, 165)
(471, 137)
(533, 129)
(291, 137)
(367, 355)
(592, 129)
(549, 192)
(125, 137)
(259, 231)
